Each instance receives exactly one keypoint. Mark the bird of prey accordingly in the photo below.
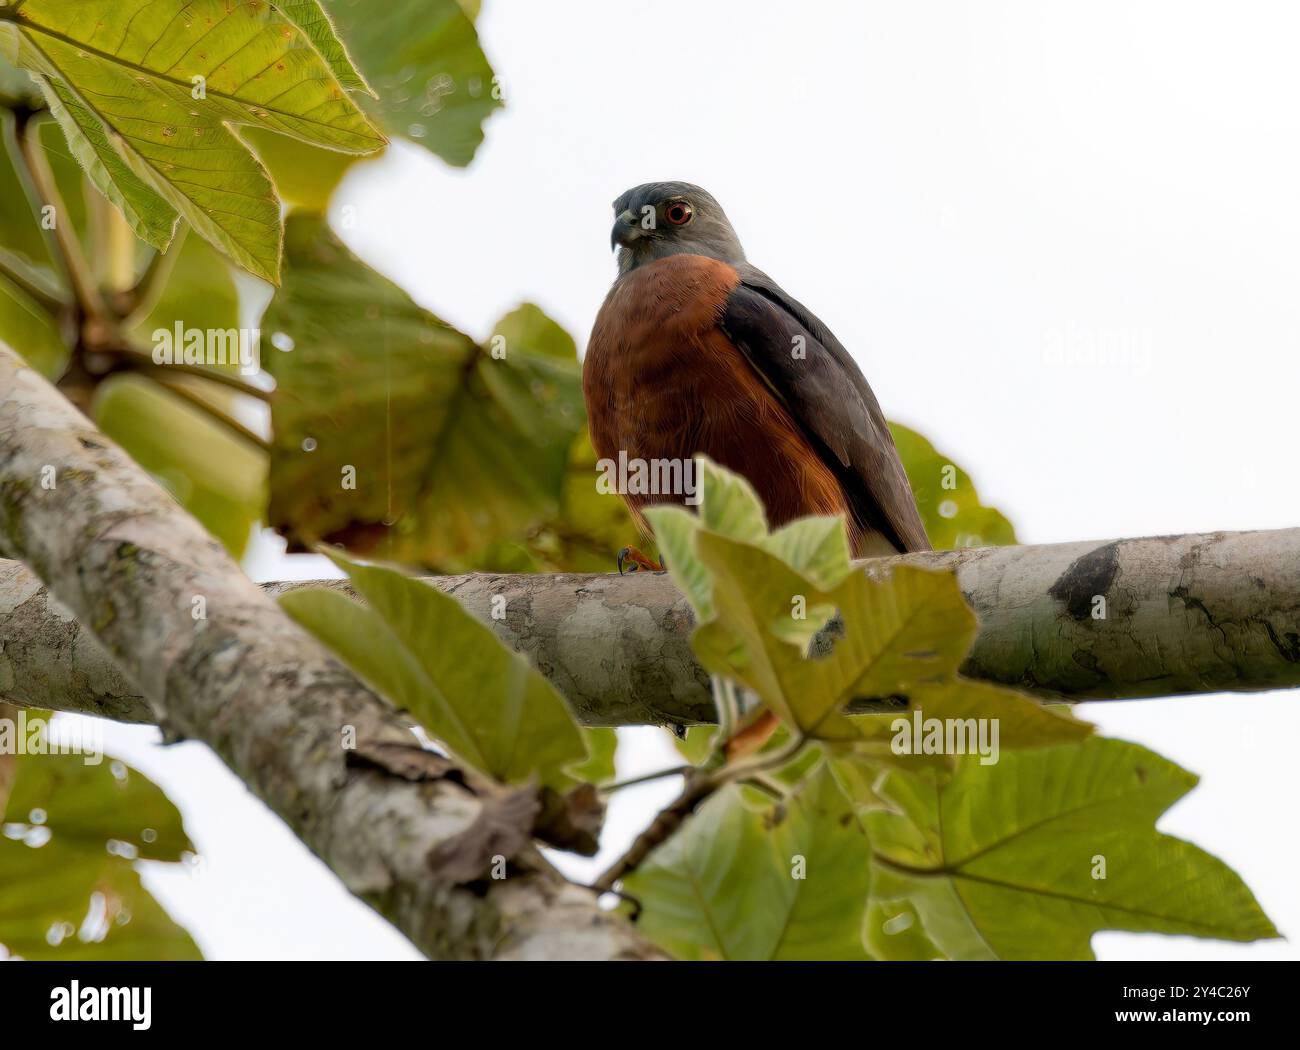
(697, 351)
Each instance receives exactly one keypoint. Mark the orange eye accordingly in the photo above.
(678, 213)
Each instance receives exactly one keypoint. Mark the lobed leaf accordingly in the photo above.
(735, 883)
(1027, 858)
(153, 88)
(946, 497)
(483, 450)
(426, 654)
(433, 82)
(66, 896)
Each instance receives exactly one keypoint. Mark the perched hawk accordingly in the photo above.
(697, 351)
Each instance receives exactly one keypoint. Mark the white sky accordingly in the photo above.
(975, 197)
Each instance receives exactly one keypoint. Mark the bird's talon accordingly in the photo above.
(623, 556)
(638, 561)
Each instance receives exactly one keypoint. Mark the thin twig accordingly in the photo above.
(149, 288)
(645, 778)
(767, 785)
(213, 412)
(69, 252)
(143, 359)
(724, 699)
(697, 789)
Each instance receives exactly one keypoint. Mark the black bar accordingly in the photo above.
(610, 1000)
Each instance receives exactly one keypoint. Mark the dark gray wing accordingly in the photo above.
(827, 394)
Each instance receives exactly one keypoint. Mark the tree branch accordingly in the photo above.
(1183, 614)
(403, 828)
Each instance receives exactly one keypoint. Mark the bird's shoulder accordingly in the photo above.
(816, 378)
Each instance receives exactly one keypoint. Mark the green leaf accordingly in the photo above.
(85, 806)
(946, 497)
(66, 894)
(893, 933)
(16, 85)
(312, 20)
(816, 547)
(29, 329)
(305, 176)
(725, 886)
(150, 217)
(52, 892)
(454, 449)
(423, 58)
(23, 246)
(904, 636)
(216, 476)
(602, 746)
(584, 535)
(425, 653)
(199, 292)
(129, 72)
(675, 530)
(1002, 861)
(729, 505)
(697, 745)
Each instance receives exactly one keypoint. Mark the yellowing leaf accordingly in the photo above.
(154, 87)
(817, 547)
(451, 447)
(150, 217)
(903, 638)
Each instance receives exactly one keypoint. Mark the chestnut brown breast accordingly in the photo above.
(663, 381)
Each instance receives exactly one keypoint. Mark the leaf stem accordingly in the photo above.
(213, 412)
(49, 303)
(728, 708)
(69, 251)
(142, 359)
(148, 290)
(698, 787)
(645, 778)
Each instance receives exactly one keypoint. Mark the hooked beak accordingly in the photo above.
(627, 228)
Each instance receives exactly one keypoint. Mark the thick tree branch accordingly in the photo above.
(403, 828)
(1183, 614)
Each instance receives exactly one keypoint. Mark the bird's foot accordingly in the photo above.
(639, 561)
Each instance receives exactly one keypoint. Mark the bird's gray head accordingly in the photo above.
(658, 219)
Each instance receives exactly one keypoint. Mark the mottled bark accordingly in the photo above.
(1182, 614)
(218, 661)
